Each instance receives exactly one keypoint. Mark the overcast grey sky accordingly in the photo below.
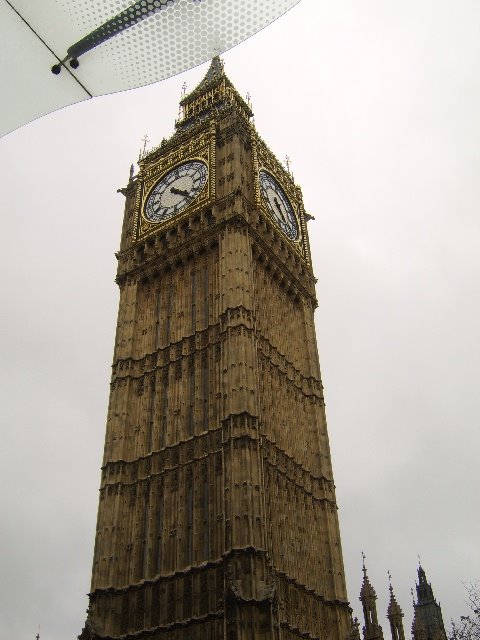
(377, 104)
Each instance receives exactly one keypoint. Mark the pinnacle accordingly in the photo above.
(393, 606)
(367, 590)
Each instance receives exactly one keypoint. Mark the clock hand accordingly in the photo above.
(179, 192)
(280, 210)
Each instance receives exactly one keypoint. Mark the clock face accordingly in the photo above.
(278, 205)
(175, 191)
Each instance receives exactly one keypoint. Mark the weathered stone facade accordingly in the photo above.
(217, 516)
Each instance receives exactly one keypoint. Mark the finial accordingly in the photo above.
(419, 562)
(132, 171)
(248, 98)
(38, 634)
(184, 89)
(363, 563)
(287, 163)
(142, 151)
(389, 579)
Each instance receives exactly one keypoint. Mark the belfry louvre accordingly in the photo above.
(217, 517)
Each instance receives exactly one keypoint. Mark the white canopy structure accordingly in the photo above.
(55, 53)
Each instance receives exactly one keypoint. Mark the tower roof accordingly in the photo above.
(214, 74)
(367, 590)
(214, 91)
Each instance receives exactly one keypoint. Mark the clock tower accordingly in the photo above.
(217, 517)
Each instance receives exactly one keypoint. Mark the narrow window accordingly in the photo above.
(169, 311)
(158, 325)
(205, 294)
(205, 385)
(144, 535)
(193, 298)
(206, 517)
(159, 542)
(163, 431)
(151, 411)
(191, 397)
(189, 536)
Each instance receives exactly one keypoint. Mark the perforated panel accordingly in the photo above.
(178, 35)
(166, 37)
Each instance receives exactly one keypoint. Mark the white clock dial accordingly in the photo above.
(175, 191)
(278, 205)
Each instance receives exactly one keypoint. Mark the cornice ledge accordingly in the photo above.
(178, 624)
(294, 630)
(325, 501)
(334, 602)
(158, 451)
(168, 257)
(264, 248)
(173, 575)
(299, 466)
(311, 380)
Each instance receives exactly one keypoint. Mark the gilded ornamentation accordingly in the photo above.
(263, 159)
(198, 148)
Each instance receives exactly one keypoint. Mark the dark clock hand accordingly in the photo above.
(179, 192)
(280, 210)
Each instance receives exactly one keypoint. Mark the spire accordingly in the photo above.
(428, 619)
(213, 92)
(214, 74)
(395, 614)
(372, 630)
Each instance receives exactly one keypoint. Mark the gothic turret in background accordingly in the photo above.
(428, 620)
(395, 615)
(372, 630)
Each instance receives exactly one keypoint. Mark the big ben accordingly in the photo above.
(217, 516)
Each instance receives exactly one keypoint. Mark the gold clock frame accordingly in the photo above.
(264, 160)
(157, 164)
(152, 187)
